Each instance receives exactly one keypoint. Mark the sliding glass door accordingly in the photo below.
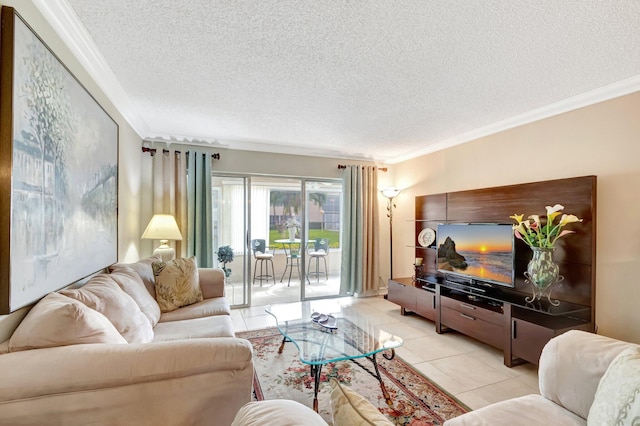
(285, 234)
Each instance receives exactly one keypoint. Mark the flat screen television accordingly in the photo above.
(478, 253)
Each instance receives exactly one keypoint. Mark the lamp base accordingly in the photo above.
(167, 253)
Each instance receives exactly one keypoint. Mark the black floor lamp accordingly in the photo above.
(390, 193)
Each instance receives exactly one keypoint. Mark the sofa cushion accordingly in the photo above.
(144, 270)
(177, 283)
(57, 320)
(206, 308)
(617, 400)
(277, 412)
(350, 408)
(216, 326)
(102, 294)
(132, 284)
(212, 282)
(524, 410)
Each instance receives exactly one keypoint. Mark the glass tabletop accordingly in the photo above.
(354, 336)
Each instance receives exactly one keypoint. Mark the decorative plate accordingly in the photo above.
(426, 237)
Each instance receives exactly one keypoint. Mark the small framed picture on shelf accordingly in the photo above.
(426, 237)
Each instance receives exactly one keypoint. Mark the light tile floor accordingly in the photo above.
(470, 370)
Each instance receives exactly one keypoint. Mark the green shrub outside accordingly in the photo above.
(332, 236)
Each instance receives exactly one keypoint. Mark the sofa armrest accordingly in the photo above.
(188, 381)
(571, 366)
(211, 282)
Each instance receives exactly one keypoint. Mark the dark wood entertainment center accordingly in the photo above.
(497, 315)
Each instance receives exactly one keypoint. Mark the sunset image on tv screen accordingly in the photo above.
(479, 251)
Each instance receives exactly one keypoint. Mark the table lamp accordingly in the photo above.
(163, 227)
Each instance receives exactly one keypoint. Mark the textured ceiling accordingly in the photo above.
(377, 79)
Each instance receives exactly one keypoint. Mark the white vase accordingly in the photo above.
(292, 233)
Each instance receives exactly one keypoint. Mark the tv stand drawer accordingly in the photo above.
(473, 310)
(473, 326)
(403, 295)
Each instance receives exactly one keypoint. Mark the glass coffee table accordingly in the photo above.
(329, 333)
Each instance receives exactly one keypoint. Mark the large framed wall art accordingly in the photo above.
(58, 172)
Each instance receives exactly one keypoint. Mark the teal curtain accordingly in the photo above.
(360, 238)
(199, 210)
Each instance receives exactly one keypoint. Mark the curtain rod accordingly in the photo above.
(342, 166)
(152, 151)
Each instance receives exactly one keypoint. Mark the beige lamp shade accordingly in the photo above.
(163, 227)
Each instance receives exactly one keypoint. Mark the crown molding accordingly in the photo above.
(66, 24)
(611, 91)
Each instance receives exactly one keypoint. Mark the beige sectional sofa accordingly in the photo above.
(65, 364)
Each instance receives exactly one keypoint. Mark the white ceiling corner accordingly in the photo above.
(66, 23)
(381, 80)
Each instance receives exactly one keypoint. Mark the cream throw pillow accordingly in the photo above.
(132, 284)
(350, 408)
(177, 283)
(143, 269)
(102, 294)
(277, 412)
(58, 320)
(617, 400)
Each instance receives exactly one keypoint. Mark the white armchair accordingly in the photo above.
(570, 370)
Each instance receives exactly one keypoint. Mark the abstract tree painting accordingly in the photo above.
(61, 148)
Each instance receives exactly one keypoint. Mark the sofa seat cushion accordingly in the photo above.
(58, 320)
(216, 326)
(525, 410)
(277, 412)
(206, 308)
(131, 283)
(177, 283)
(617, 400)
(102, 294)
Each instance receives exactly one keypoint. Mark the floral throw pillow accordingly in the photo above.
(177, 283)
(617, 400)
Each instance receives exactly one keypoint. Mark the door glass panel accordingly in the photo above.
(230, 229)
(323, 225)
(276, 217)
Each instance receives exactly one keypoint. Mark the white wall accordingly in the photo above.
(601, 140)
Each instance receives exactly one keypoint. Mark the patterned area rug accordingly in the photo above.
(416, 400)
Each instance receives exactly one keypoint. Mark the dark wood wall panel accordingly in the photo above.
(431, 207)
